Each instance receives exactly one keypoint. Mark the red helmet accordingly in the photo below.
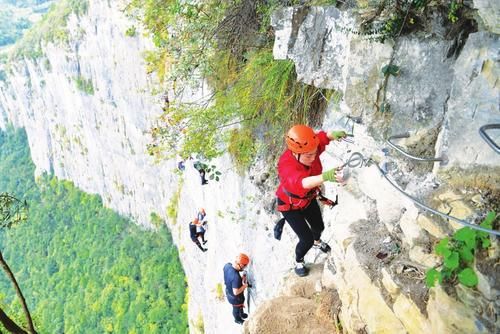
(301, 139)
(243, 259)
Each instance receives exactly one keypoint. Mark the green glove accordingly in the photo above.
(330, 175)
(339, 134)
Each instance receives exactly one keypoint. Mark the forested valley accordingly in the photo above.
(82, 267)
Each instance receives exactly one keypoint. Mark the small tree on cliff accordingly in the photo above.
(12, 212)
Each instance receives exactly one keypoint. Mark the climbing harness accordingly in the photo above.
(327, 201)
(312, 194)
(488, 139)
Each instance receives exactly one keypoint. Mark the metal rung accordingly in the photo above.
(488, 139)
(406, 154)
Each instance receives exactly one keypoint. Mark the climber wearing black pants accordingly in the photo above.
(301, 174)
(236, 285)
(308, 225)
(194, 235)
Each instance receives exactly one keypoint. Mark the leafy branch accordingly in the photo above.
(12, 212)
(458, 254)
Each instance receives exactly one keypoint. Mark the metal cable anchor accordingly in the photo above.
(488, 139)
(406, 154)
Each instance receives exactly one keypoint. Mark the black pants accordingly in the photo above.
(238, 312)
(202, 235)
(202, 175)
(197, 242)
(308, 225)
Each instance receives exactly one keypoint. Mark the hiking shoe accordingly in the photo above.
(239, 321)
(301, 270)
(323, 246)
(205, 249)
(244, 315)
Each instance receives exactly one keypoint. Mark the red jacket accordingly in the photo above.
(291, 172)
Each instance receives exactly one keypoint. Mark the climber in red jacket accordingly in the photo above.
(301, 173)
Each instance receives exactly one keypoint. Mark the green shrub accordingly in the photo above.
(85, 85)
(264, 97)
(200, 325)
(51, 28)
(210, 39)
(219, 291)
(453, 10)
(242, 148)
(130, 32)
(173, 206)
(458, 254)
(156, 220)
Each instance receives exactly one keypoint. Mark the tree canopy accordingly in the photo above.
(82, 267)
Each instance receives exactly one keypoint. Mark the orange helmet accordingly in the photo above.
(243, 259)
(301, 139)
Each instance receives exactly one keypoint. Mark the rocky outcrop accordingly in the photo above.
(382, 242)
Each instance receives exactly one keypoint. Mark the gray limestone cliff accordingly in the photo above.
(381, 240)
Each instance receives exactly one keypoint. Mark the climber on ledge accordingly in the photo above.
(201, 225)
(194, 234)
(301, 173)
(236, 285)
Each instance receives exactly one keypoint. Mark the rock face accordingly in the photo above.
(381, 241)
(442, 103)
(96, 139)
(489, 11)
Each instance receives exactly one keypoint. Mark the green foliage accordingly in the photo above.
(51, 28)
(389, 19)
(84, 85)
(266, 8)
(219, 292)
(210, 170)
(11, 26)
(265, 99)
(242, 147)
(183, 33)
(12, 210)
(173, 206)
(156, 220)
(458, 254)
(131, 32)
(18, 16)
(216, 40)
(82, 267)
(418, 4)
(390, 70)
(455, 6)
(200, 325)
